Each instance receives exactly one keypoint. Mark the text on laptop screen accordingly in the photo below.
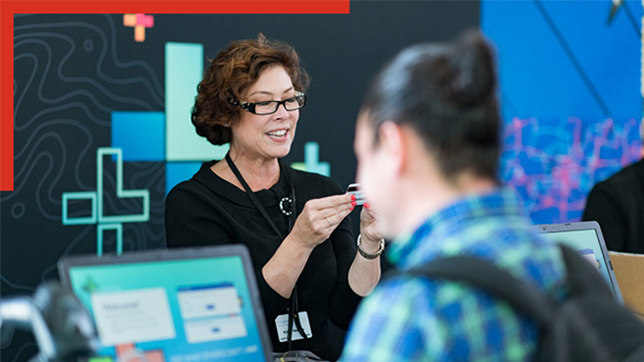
(171, 311)
(587, 244)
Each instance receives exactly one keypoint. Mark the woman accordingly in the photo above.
(293, 222)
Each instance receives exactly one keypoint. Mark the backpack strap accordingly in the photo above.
(499, 283)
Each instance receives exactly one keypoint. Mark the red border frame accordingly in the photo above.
(10, 7)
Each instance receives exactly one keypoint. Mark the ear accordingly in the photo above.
(392, 145)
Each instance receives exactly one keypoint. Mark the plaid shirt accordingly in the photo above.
(411, 319)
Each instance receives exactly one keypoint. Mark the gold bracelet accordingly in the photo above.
(370, 256)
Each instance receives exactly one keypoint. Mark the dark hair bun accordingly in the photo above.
(473, 76)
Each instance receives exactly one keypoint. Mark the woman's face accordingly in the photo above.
(267, 136)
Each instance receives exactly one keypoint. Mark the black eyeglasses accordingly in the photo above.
(270, 107)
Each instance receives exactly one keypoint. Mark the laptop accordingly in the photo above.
(180, 305)
(585, 237)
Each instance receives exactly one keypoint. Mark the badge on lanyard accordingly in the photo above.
(281, 322)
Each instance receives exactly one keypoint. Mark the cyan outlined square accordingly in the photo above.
(141, 135)
(89, 195)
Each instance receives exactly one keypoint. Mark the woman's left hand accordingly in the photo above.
(370, 235)
(364, 273)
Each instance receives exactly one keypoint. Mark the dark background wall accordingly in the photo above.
(73, 71)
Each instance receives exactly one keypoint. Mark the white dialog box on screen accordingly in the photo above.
(215, 329)
(132, 316)
(208, 301)
(211, 312)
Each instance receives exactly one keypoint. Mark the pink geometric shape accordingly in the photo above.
(145, 20)
(154, 356)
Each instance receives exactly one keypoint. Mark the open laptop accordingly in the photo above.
(585, 237)
(180, 305)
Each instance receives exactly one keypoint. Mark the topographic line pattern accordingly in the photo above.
(70, 74)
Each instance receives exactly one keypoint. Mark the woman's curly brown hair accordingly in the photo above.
(233, 71)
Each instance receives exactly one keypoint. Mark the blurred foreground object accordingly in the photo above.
(61, 326)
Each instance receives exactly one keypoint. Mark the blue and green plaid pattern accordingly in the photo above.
(412, 319)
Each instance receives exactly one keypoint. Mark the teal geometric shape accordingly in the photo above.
(176, 172)
(183, 72)
(311, 164)
(107, 222)
(119, 237)
(89, 195)
(140, 135)
(120, 193)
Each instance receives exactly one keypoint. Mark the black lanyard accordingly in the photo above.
(293, 313)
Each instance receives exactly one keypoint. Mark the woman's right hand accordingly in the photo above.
(320, 217)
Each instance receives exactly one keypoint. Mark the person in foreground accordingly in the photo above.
(294, 223)
(427, 144)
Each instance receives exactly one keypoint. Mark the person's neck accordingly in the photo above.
(429, 198)
(259, 173)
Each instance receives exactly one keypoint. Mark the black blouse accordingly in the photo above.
(208, 210)
(617, 204)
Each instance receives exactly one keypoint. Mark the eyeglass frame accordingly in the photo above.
(250, 106)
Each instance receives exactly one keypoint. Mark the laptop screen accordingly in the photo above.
(585, 237)
(176, 306)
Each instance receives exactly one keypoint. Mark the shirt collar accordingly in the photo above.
(444, 223)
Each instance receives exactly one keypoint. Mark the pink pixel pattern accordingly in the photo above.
(553, 164)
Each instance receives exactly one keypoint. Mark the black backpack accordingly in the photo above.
(588, 326)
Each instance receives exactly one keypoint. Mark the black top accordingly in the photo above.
(617, 204)
(208, 210)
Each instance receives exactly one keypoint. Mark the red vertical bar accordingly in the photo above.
(6, 96)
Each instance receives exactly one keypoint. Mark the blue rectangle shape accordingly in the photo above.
(176, 172)
(141, 135)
